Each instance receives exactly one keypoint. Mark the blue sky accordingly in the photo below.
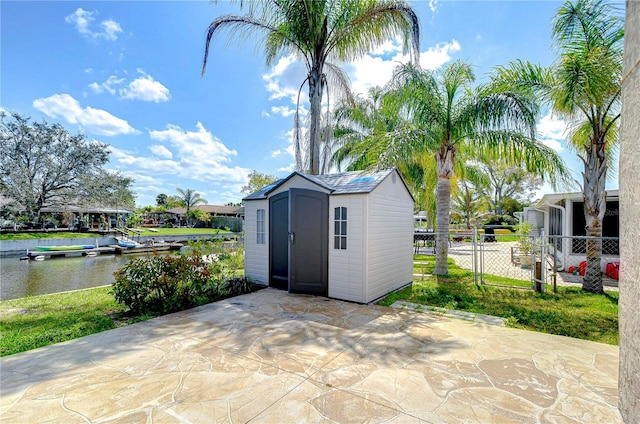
(128, 74)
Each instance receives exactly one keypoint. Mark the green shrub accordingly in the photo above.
(239, 285)
(164, 284)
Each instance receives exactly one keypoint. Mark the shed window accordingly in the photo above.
(260, 226)
(340, 228)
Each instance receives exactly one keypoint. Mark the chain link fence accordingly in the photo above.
(567, 256)
(526, 261)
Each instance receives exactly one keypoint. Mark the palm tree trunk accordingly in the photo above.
(315, 114)
(595, 206)
(444, 161)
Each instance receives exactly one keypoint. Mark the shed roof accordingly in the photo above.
(353, 182)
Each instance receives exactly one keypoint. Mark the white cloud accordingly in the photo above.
(109, 85)
(111, 29)
(195, 155)
(143, 88)
(285, 79)
(438, 55)
(88, 71)
(376, 69)
(289, 168)
(161, 151)
(83, 20)
(195, 145)
(283, 111)
(433, 5)
(96, 121)
(552, 132)
(391, 46)
(147, 89)
(96, 88)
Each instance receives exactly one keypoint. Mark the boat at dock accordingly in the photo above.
(148, 247)
(129, 244)
(77, 252)
(62, 248)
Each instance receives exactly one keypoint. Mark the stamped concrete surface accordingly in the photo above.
(275, 357)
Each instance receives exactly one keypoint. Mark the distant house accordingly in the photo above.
(93, 217)
(562, 215)
(221, 216)
(347, 236)
(213, 210)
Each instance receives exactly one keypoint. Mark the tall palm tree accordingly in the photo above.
(190, 199)
(583, 87)
(446, 114)
(320, 32)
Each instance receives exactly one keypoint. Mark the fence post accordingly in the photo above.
(474, 256)
(543, 259)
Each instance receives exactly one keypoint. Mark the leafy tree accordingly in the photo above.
(161, 200)
(175, 202)
(470, 201)
(199, 216)
(257, 181)
(583, 87)
(446, 114)
(107, 188)
(511, 205)
(320, 33)
(190, 199)
(369, 121)
(43, 165)
(509, 182)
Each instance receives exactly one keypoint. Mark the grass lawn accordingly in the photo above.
(37, 321)
(143, 232)
(569, 312)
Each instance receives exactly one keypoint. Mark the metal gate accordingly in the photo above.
(517, 264)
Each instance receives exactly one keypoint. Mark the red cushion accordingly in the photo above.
(613, 270)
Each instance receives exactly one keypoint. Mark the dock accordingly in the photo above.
(146, 248)
(83, 252)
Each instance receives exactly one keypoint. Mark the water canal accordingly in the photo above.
(53, 275)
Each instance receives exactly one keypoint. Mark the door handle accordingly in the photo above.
(291, 236)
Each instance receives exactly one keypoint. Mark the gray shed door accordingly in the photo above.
(279, 241)
(308, 239)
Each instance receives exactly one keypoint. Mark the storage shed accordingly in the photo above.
(347, 236)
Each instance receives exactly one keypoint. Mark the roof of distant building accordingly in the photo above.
(83, 209)
(214, 210)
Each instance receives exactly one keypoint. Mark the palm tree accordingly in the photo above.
(190, 199)
(446, 114)
(470, 197)
(320, 32)
(583, 87)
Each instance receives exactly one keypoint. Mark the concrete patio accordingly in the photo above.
(280, 358)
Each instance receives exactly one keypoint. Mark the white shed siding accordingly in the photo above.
(347, 267)
(256, 256)
(390, 238)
